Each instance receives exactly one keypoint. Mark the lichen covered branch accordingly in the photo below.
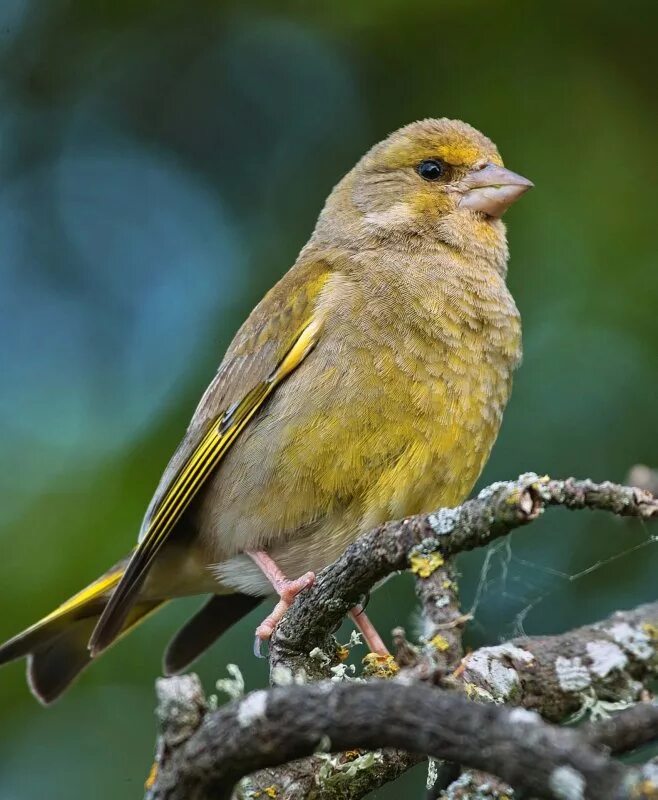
(270, 727)
(583, 670)
(385, 727)
(495, 512)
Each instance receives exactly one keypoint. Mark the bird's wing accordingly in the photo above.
(272, 343)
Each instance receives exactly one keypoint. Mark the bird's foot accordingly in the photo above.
(286, 589)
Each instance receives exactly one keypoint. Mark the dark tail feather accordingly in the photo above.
(57, 646)
(54, 665)
(87, 603)
(57, 662)
(209, 622)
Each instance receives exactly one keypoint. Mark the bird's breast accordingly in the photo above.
(439, 368)
(393, 413)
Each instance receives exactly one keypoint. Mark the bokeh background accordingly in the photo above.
(161, 163)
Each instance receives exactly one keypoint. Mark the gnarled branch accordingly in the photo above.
(495, 512)
(613, 658)
(270, 727)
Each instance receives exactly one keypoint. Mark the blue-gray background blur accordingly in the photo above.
(162, 162)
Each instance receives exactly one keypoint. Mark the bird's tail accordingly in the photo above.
(56, 646)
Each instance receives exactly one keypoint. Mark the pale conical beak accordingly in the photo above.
(492, 189)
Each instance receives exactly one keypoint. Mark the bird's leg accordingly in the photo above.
(286, 589)
(368, 631)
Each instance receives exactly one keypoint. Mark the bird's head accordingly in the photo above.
(434, 181)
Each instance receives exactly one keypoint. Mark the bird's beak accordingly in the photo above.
(492, 189)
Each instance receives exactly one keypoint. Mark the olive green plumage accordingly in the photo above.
(389, 407)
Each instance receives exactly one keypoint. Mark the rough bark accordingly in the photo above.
(271, 727)
(392, 547)
(383, 727)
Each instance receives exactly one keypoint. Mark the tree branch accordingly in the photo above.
(626, 731)
(608, 662)
(495, 512)
(423, 543)
(270, 727)
(595, 669)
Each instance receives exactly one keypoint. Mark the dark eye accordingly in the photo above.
(431, 169)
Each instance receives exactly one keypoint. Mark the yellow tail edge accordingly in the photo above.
(57, 645)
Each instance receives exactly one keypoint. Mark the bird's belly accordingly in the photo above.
(432, 471)
(314, 550)
(415, 448)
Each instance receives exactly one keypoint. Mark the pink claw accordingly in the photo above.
(288, 590)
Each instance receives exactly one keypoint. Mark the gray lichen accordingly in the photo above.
(524, 715)
(474, 786)
(336, 772)
(443, 521)
(492, 669)
(318, 654)
(605, 657)
(567, 783)
(181, 706)
(572, 674)
(284, 676)
(234, 685)
(633, 639)
(252, 708)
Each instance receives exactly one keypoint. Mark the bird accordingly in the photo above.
(368, 384)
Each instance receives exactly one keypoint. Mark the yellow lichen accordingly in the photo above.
(342, 653)
(378, 666)
(647, 790)
(153, 774)
(424, 565)
(651, 630)
(447, 584)
(439, 643)
(268, 791)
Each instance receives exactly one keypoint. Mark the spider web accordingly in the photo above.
(528, 584)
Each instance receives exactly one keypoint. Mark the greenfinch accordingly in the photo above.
(368, 384)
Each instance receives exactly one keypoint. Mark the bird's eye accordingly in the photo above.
(431, 169)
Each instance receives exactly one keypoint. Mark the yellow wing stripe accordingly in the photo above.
(203, 460)
(221, 436)
(100, 587)
(79, 606)
(196, 460)
(208, 453)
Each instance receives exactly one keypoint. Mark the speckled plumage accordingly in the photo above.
(393, 412)
(398, 406)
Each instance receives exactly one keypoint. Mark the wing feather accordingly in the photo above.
(222, 433)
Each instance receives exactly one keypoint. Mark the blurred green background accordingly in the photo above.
(162, 162)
